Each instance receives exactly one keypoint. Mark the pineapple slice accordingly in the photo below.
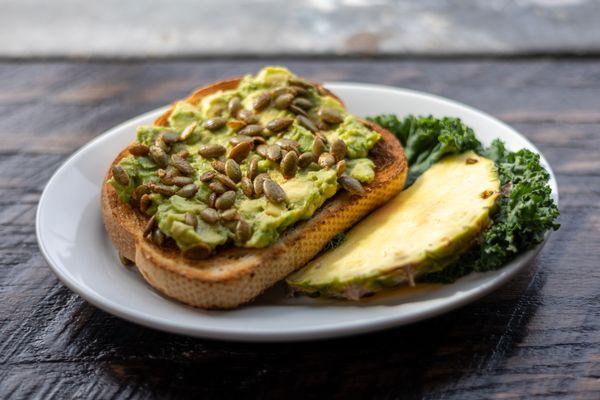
(421, 230)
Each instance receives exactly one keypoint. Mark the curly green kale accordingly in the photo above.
(427, 139)
(526, 207)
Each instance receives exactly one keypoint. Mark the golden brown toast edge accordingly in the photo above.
(237, 275)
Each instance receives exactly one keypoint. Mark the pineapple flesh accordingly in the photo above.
(423, 229)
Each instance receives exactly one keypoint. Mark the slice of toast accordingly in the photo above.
(235, 275)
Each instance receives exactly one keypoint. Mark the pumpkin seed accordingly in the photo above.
(217, 187)
(340, 167)
(170, 137)
(330, 115)
(225, 180)
(235, 125)
(161, 144)
(281, 90)
(158, 237)
(149, 226)
(300, 83)
(166, 177)
(240, 151)
(165, 190)
(274, 152)
(303, 103)
(182, 165)
(322, 136)
(317, 147)
(234, 106)
(232, 169)
(183, 154)
(305, 159)
(188, 131)
(338, 149)
(145, 201)
(139, 191)
(218, 166)
(239, 139)
(209, 215)
(279, 124)
(326, 160)
(351, 185)
(191, 220)
(321, 125)
(199, 251)
(301, 92)
(188, 191)
(259, 140)
(139, 149)
(230, 215)
(225, 200)
(252, 130)
(298, 111)
(212, 150)
(159, 156)
(262, 150)
(247, 187)
(289, 165)
(212, 198)
(258, 184)
(243, 231)
(215, 123)
(273, 191)
(288, 144)
(306, 122)
(262, 101)
(120, 175)
(207, 176)
(247, 116)
(182, 180)
(253, 167)
(283, 101)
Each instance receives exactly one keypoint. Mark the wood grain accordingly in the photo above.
(539, 336)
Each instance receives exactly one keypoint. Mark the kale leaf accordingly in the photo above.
(526, 207)
(427, 139)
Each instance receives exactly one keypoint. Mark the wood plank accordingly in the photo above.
(537, 336)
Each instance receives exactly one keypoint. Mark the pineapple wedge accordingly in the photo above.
(421, 230)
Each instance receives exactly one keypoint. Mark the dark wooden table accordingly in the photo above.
(539, 336)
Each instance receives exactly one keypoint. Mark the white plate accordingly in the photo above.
(72, 238)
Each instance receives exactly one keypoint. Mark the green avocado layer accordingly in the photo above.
(305, 192)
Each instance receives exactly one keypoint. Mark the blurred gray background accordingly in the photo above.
(164, 28)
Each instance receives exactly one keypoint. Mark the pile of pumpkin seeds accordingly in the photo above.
(178, 177)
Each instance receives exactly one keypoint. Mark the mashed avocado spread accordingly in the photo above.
(243, 165)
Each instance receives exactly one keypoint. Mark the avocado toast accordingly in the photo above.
(178, 201)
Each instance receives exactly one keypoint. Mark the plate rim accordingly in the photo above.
(297, 334)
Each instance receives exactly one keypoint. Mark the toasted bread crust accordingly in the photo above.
(237, 275)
